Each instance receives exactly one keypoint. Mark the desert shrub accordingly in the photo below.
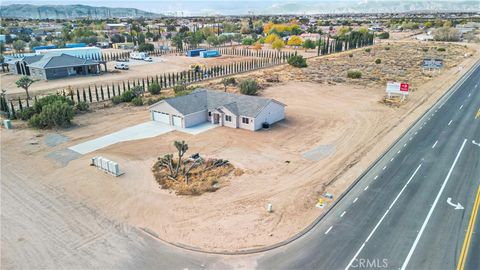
(26, 114)
(350, 55)
(387, 48)
(55, 114)
(383, 35)
(137, 101)
(82, 106)
(297, 61)
(152, 101)
(248, 87)
(137, 90)
(425, 49)
(49, 100)
(154, 89)
(368, 50)
(354, 74)
(117, 100)
(127, 96)
(441, 49)
(378, 61)
(179, 88)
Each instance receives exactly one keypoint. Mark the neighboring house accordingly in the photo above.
(53, 67)
(219, 108)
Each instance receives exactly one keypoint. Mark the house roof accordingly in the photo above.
(202, 99)
(63, 60)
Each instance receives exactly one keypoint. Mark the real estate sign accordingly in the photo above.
(432, 63)
(397, 88)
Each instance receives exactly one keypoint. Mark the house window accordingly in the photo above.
(245, 120)
(228, 118)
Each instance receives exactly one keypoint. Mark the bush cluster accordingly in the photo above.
(354, 74)
(154, 89)
(137, 101)
(441, 49)
(82, 106)
(297, 61)
(248, 87)
(52, 112)
(378, 61)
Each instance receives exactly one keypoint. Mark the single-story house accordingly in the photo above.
(53, 67)
(219, 108)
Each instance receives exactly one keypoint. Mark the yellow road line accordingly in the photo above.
(478, 114)
(468, 235)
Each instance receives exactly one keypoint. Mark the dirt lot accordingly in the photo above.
(343, 121)
(138, 69)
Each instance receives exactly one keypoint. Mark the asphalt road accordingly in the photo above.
(397, 216)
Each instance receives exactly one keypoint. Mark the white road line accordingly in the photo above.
(365, 188)
(433, 146)
(469, 94)
(392, 159)
(460, 107)
(410, 139)
(399, 151)
(343, 214)
(375, 178)
(355, 200)
(384, 168)
(449, 123)
(429, 118)
(436, 110)
(328, 230)
(405, 145)
(410, 253)
(383, 217)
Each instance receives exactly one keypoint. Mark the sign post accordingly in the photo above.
(397, 88)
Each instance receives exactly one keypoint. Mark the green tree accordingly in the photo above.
(278, 44)
(146, 47)
(309, 44)
(25, 82)
(213, 40)
(248, 41)
(19, 45)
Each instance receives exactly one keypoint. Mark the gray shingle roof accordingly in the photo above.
(63, 60)
(202, 99)
(32, 59)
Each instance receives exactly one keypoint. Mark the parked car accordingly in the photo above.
(148, 59)
(121, 66)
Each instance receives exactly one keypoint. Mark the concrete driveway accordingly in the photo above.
(138, 132)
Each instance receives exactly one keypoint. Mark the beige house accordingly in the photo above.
(219, 108)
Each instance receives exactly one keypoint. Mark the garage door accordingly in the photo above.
(161, 117)
(177, 121)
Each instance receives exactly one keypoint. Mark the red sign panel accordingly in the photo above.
(404, 87)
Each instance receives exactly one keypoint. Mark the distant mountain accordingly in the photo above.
(372, 6)
(26, 11)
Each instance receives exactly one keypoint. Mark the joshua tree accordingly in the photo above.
(25, 82)
(182, 148)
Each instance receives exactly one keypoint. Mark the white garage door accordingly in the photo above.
(161, 117)
(177, 121)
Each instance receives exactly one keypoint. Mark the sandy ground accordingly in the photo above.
(343, 117)
(138, 69)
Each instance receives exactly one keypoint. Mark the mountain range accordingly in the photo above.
(121, 9)
(26, 11)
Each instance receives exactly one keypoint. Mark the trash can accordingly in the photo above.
(7, 124)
